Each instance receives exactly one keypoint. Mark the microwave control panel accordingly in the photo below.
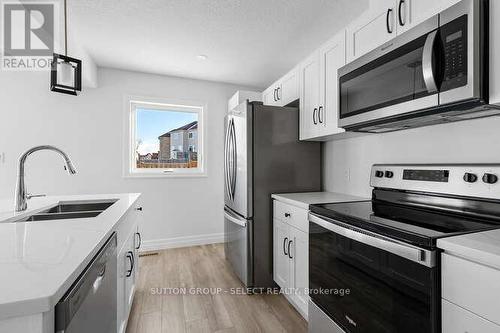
(454, 40)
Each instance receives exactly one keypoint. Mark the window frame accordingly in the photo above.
(131, 104)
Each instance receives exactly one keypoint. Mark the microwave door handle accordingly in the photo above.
(427, 55)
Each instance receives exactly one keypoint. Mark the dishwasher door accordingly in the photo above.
(90, 304)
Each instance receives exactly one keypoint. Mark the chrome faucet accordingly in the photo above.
(21, 195)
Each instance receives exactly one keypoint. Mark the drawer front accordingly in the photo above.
(296, 217)
(473, 286)
(458, 320)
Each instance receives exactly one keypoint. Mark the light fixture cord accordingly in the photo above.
(65, 29)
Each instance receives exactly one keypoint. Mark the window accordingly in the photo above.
(158, 138)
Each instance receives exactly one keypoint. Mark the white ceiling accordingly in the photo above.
(250, 42)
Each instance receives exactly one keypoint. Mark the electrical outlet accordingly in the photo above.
(348, 175)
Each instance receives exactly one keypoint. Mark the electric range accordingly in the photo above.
(384, 250)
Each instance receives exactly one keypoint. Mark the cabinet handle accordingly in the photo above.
(289, 253)
(400, 17)
(284, 246)
(130, 256)
(389, 10)
(319, 115)
(278, 93)
(139, 209)
(315, 122)
(287, 215)
(274, 95)
(140, 240)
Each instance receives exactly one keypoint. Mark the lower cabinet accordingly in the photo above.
(469, 296)
(128, 259)
(291, 260)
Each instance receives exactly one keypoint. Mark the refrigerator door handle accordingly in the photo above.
(234, 219)
(235, 156)
(226, 160)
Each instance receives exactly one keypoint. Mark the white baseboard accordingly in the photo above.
(170, 243)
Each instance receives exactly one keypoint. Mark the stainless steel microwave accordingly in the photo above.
(435, 72)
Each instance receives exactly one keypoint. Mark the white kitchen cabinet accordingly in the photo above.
(127, 266)
(412, 12)
(269, 96)
(291, 254)
(299, 268)
(281, 259)
(319, 95)
(331, 57)
(309, 97)
(469, 296)
(385, 19)
(457, 319)
(284, 91)
(372, 29)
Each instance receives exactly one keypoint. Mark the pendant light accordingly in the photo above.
(66, 72)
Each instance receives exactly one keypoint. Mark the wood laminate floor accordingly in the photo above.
(157, 310)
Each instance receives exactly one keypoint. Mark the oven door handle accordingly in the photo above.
(413, 253)
(427, 55)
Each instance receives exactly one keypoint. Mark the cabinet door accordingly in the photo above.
(410, 13)
(281, 261)
(332, 57)
(130, 271)
(269, 96)
(288, 89)
(372, 29)
(300, 267)
(309, 97)
(120, 291)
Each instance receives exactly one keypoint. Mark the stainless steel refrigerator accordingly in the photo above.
(263, 155)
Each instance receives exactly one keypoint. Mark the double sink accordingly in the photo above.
(70, 210)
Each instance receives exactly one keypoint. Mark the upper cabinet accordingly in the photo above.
(284, 91)
(385, 20)
(375, 27)
(319, 90)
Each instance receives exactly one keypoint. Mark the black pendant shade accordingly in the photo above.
(66, 75)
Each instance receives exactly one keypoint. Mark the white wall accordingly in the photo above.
(90, 129)
(347, 162)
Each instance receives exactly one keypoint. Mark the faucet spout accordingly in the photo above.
(21, 195)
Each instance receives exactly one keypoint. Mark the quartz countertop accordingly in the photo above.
(303, 200)
(40, 260)
(482, 247)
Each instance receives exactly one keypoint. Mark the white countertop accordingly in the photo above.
(40, 260)
(482, 247)
(303, 200)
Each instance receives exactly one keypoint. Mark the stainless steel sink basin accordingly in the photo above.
(59, 216)
(66, 207)
(70, 210)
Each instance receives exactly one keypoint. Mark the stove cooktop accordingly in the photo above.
(414, 225)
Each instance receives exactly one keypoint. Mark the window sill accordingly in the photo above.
(165, 175)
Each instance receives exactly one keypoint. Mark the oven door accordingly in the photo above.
(369, 283)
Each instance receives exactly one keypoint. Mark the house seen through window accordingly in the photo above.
(166, 138)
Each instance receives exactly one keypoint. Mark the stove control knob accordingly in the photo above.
(470, 177)
(490, 178)
(389, 174)
(379, 174)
